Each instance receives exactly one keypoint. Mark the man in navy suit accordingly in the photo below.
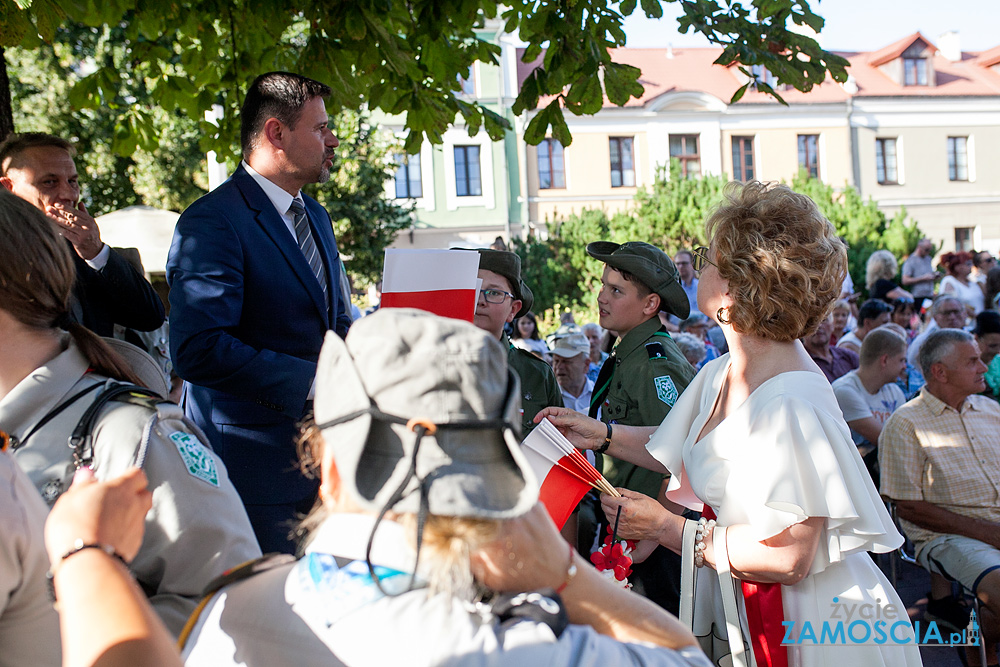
(253, 274)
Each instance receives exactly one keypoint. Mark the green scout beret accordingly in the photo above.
(508, 265)
(650, 266)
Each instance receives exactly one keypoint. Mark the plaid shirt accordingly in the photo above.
(951, 458)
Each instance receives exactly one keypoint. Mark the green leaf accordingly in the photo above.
(739, 93)
(621, 83)
(627, 7)
(653, 8)
(537, 127)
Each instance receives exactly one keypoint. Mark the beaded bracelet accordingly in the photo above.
(78, 546)
(702, 533)
(570, 571)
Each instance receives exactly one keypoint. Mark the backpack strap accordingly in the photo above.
(81, 441)
(52, 414)
(231, 576)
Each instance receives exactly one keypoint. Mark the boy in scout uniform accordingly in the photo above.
(642, 378)
(503, 297)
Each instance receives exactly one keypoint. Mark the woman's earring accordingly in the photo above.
(722, 318)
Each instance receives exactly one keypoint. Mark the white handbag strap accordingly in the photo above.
(733, 629)
(688, 574)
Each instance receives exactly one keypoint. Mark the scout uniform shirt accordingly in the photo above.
(539, 388)
(647, 375)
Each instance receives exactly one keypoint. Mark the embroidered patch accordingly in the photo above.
(666, 391)
(197, 460)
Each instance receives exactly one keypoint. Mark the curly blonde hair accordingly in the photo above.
(782, 259)
(882, 265)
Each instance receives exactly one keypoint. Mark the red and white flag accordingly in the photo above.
(443, 282)
(564, 473)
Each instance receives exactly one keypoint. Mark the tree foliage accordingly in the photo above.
(395, 56)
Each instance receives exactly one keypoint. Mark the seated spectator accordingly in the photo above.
(947, 312)
(29, 626)
(570, 361)
(833, 361)
(197, 528)
(987, 333)
(880, 277)
(429, 530)
(699, 325)
(873, 313)
(105, 618)
(691, 347)
(526, 336)
(958, 283)
(868, 395)
(842, 317)
(940, 460)
(595, 334)
(912, 379)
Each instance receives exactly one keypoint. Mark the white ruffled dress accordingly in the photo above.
(786, 455)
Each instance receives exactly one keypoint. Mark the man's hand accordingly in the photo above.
(79, 227)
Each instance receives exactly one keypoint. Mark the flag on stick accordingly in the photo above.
(564, 473)
(442, 282)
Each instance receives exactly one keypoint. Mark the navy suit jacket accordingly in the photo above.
(117, 294)
(247, 320)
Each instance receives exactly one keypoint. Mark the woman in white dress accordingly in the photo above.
(758, 443)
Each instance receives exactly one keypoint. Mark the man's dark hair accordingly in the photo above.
(278, 95)
(14, 145)
(871, 309)
(643, 289)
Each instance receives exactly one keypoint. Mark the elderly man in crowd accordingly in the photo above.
(39, 168)
(947, 312)
(869, 395)
(872, 314)
(940, 461)
(833, 361)
(570, 361)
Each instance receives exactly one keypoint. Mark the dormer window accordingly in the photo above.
(762, 75)
(914, 71)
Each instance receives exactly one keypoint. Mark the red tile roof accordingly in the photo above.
(692, 70)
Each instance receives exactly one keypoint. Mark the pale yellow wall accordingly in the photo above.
(588, 177)
(777, 153)
(924, 161)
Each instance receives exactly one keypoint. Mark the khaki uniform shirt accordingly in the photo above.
(950, 458)
(318, 612)
(539, 388)
(644, 386)
(29, 627)
(197, 527)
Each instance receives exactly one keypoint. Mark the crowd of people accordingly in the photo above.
(329, 481)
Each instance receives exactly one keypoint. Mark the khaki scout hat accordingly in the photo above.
(144, 366)
(402, 365)
(571, 345)
(508, 265)
(650, 266)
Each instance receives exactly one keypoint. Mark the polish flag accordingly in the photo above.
(443, 282)
(565, 473)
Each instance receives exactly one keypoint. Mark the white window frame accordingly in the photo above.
(459, 137)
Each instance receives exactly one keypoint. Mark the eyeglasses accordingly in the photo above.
(495, 295)
(700, 258)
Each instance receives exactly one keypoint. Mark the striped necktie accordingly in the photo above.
(308, 245)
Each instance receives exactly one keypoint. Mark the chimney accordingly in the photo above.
(950, 46)
(670, 51)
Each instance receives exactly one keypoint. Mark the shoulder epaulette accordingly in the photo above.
(655, 350)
